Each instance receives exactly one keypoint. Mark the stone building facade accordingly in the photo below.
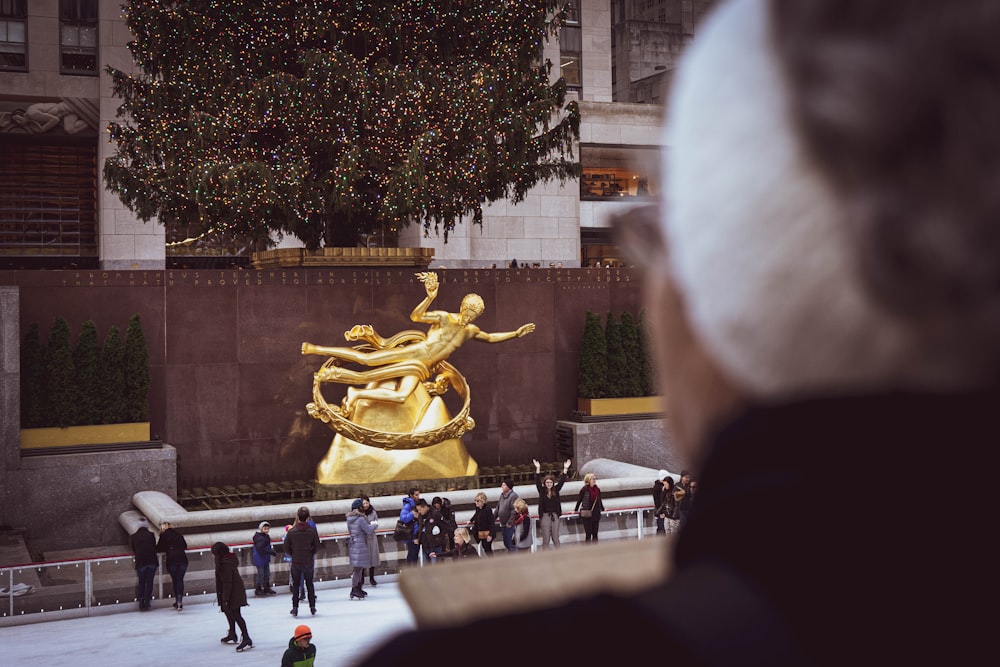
(56, 101)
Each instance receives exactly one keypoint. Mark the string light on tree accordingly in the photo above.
(328, 119)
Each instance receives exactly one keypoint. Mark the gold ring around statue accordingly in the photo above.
(334, 417)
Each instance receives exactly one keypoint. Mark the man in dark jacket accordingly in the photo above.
(823, 288)
(231, 594)
(146, 564)
(432, 535)
(301, 652)
(302, 543)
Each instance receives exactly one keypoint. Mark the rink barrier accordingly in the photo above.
(54, 590)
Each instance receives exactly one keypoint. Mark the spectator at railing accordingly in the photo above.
(522, 526)
(144, 547)
(482, 525)
(173, 544)
(549, 502)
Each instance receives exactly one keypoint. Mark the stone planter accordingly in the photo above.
(103, 434)
(637, 405)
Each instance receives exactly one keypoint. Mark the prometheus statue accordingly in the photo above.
(392, 423)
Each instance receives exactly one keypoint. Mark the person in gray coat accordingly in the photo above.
(374, 559)
(359, 554)
(505, 513)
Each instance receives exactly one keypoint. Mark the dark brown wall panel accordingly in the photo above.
(229, 384)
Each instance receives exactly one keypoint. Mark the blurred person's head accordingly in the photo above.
(830, 216)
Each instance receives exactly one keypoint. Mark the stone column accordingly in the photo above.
(10, 392)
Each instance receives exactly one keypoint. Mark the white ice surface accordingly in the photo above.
(344, 631)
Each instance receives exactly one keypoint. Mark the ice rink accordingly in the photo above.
(344, 631)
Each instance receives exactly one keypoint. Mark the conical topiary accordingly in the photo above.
(617, 364)
(86, 368)
(647, 379)
(631, 384)
(593, 359)
(112, 378)
(136, 373)
(61, 405)
(32, 380)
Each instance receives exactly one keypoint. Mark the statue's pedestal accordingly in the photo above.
(350, 465)
(396, 488)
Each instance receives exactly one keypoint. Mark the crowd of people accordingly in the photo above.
(673, 500)
(435, 536)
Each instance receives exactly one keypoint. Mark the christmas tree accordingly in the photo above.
(326, 119)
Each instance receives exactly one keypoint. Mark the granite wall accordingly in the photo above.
(10, 401)
(229, 385)
(69, 501)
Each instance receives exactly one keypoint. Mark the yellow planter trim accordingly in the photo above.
(600, 407)
(103, 434)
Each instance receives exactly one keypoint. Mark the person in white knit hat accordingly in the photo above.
(823, 290)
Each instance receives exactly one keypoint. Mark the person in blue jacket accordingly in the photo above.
(262, 553)
(408, 516)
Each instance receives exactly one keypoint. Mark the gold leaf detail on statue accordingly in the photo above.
(337, 418)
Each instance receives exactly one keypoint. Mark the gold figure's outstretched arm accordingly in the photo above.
(521, 332)
(419, 314)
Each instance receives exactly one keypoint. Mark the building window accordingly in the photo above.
(598, 249)
(571, 49)
(573, 12)
(48, 199)
(570, 52)
(613, 172)
(13, 35)
(78, 37)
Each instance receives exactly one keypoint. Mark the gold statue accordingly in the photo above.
(396, 427)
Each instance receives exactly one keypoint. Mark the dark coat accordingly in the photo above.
(548, 505)
(466, 550)
(262, 549)
(173, 544)
(433, 532)
(482, 519)
(229, 590)
(583, 500)
(144, 547)
(792, 590)
(302, 543)
(667, 504)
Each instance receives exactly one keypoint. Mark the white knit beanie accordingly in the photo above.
(755, 237)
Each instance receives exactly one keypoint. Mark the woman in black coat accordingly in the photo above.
(590, 499)
(482, 525)
(173, 544)
(231, 594)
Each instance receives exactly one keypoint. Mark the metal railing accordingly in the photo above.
(37, 592)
